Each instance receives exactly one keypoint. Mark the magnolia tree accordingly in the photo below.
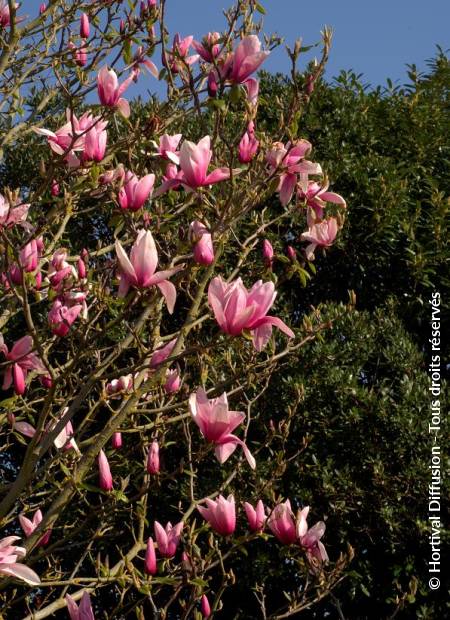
(140, 323)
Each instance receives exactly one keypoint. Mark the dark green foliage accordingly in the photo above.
(387, 152)
(364, 416)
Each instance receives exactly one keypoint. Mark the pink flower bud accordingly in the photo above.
(84, 26)
(81, 268)
(55, 188)
(153, 458)
(151, 566)
(42, 8)
(173, 381)
(19, 380)
(104, 472)
(213, 86)
(291, 253)
(116, 441)
(267, 252)
(46, 381)
(255, 516)
(248, 146)
(122, 26)
(203, 248)
(205, 607)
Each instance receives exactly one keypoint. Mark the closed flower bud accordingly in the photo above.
(205, 607)
(116, 441)
(153, 458)
(151, 566)
(104, 472)
(84, 26)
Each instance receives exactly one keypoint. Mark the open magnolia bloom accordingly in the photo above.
(236, 309)
(140, 269)
(320, 235)
(216, 423)
(9, 554)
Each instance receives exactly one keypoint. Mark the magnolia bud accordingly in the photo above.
(205, 607)
(151, 566)
(291, 253)
(81, 268)
(42, 8)
(267, 251)
(116, 440)
(104, 473)
(153, 458)
(84, 26)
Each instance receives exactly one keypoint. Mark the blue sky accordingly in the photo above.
(376, 38)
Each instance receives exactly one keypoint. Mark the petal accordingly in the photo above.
(144, 257)
(224, 451)
(170, 294)
(217, 175)
(287, 188)
(124, 262)
(21, 572)
(124, 107)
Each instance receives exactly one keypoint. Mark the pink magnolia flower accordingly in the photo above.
(122, 384)
(61, 317)
(239, 65)
(173, 381)
(208, 49)
(282, 523)
(194, 162)
(95, 144)
(311, 542)
(118, 174)
(317, 196)
(140, 269)
(23, 360)
(29, 525)
(178, 57)
(321, 234)
(216, 423)
(248, 146)
(153, 458)
(168, 147)
(110, 92)
(246, 59)
(140, 59)
(162, 353)
(83, 611)
(237, 309)
(256, 516)
(11, 215)
(151, 567)
(203, 245)
(64, 439)
(9, 554)
(30, 255)
(5, 16)
(220, 514)
(135, 191)
(168, 538)
(71, 137)
(290, 160)
(205, 607)
(84, 26)
(79, 53)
